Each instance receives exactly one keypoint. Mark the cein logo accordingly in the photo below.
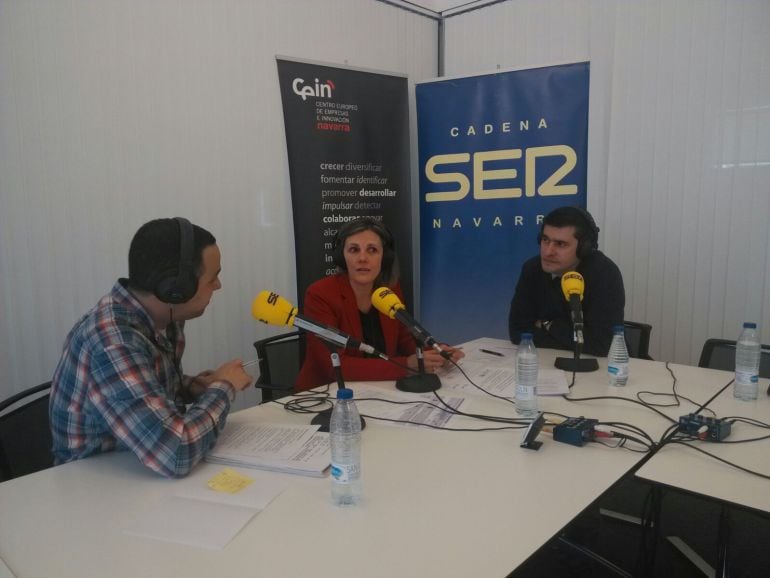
(322, 90)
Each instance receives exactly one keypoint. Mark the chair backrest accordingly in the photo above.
(25, 433)
(720, 354)
(638, 339)
(280, 360)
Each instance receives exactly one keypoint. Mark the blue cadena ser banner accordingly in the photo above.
(497, 152)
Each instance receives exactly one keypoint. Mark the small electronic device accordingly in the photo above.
(718, 429)
(528, 441)
(575, 431)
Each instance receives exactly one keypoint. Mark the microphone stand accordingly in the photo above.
(420, 382)
(575, 364)
(324, 417)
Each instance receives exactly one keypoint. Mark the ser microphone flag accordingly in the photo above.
(271, 308)
(572, 284)
(388, 303)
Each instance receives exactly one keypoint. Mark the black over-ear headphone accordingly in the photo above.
(178, 284)
(589, 242)
(364, 224)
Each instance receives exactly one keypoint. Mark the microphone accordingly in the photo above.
(388, 303)
(573, 286)
(271, 308)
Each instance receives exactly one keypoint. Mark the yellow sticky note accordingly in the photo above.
(229, 481)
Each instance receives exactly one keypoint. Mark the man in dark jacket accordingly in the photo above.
(568, 242)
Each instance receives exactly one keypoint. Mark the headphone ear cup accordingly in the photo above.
(175, 288)
(583, 249)
(591, 242)
(170, 291)
(179, 285)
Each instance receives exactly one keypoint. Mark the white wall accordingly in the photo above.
(679, 146)
(113, 113)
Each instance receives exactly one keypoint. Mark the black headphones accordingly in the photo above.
(358, 226)
(178, 284)
(589, 241)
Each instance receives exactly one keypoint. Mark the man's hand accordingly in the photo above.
(231, 371)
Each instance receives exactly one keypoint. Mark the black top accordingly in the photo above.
(539, 296)
(372, 330)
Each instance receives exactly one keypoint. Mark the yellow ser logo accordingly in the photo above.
(550, 187)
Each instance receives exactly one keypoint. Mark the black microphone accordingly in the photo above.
(572, 285)
(273, 309)
(576, 312)
(388, 303)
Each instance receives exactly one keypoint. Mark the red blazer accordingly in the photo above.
(332, 302)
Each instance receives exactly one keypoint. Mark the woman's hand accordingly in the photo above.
(457, 353)
(433, 359)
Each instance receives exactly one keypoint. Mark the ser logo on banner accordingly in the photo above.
(549, 187)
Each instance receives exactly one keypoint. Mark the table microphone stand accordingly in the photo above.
(575, 364)
(420, 382)
(323, 418)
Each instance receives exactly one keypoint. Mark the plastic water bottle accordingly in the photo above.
(526, 377)
(617, 359)
(345, 440)
(747, 352)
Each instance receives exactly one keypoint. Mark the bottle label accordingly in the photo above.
(525, 392)
(346, 473)
(746, 377)
(618, 370)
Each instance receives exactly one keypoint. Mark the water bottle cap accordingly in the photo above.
(618, 329)
(748, 325)
(526, 336)
(344, 393)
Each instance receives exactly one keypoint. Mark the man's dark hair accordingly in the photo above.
(586, 231)
(155, 249)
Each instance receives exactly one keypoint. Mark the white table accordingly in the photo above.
(690, 470)
(436, 503)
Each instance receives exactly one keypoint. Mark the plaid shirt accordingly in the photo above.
(115, 386)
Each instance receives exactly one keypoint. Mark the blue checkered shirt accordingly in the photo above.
(115, 388)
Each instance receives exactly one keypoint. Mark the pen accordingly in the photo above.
(252, 362)
(492, 352)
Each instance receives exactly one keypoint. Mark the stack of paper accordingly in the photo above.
(294, 449)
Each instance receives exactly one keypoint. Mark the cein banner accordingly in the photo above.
(497, 152)
(347, 136)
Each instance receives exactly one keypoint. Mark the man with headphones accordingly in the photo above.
(119, 384)
(568, 241)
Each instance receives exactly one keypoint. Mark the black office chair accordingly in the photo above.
(280, 359)
(25, 433)
(720, 354)
(638, 339)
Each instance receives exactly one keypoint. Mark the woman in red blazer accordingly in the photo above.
(365, 256)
